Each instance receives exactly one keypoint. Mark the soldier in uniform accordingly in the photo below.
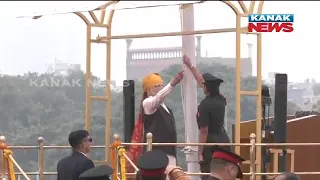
(210, 116)
(225, 165)
(152, 165)
(101, 172)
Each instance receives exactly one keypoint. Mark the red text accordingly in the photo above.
(270, 27)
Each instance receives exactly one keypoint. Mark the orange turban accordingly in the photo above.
(151, 80)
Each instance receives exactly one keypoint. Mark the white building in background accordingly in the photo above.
(300, 93)
(303, 94)
(310, 100)
(270, 80)
(62, 68)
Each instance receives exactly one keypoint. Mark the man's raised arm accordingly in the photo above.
(151, 104)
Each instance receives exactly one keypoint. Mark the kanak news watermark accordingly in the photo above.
(62, 82)
(270, 23)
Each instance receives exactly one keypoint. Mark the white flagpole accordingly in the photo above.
(189, 90)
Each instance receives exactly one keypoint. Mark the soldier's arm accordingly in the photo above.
(203, 116)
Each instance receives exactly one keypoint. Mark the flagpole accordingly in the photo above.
(189, 90)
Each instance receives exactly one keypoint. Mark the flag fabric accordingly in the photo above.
(135, 151)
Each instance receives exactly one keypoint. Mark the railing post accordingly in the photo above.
(114, 155)
(3, 146)
(122, 163)
(252, 156)
(40, 158)
(149, 141)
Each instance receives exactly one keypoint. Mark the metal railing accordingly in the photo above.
(7, 162)
(252, 161)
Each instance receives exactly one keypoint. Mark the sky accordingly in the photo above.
(32, 45)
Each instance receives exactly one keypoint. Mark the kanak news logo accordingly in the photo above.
(270, 22)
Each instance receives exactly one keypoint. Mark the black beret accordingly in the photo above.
(153, 163)
(101, 172)
(210, 77)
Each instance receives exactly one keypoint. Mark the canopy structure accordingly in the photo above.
(59, 8)
(147, 4)
(108, 9)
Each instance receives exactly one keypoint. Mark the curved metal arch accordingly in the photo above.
(232, 6)
(97, 23)
(244, 7)
(240, 14)
(260, 7)
(83, 17)
(228, 3)
(238, 17)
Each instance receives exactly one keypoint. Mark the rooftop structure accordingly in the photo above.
(141, 62)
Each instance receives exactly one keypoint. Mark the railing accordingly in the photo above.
(41, 149)
(159, 54)
(118, 147)
(7, 162)
(156, 55)
(251, 162)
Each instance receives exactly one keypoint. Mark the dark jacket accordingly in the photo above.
(163, 128)
(70, 167)
(210, 114)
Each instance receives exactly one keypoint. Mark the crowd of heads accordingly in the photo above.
(287, 176)
(299, 114)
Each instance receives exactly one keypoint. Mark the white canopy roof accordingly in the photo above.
(41, 8)
(34, 9)
(144, 4)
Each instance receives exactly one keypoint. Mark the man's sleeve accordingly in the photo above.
(204, 115)
(151, 104)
